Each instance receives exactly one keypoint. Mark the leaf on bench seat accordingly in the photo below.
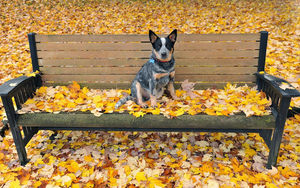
(215, 102)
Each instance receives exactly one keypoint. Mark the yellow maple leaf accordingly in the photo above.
(138, 114)
(155, 182)
(271, 185)
(72, 176)
(207, 167)
(37, 184)
(51, 146)
(66, 180)
(85, 173)
(286, 172)
(32, 74)
(15, 184)
(256, 110)
(76, 85)
(14, 57)
(264, 101)
(85, 90)
(71, 105)
(75, 186)
(179, 112)
(30, 101)
(210, 112)
(73, 167)
(97, 99)
(82, 95)
(192, 111)
(42, 90)
(88, 158)
(156, 111)
(58, 96)
(113, 181)
(140, 176)
(127, 170)
(250, 152)
(225, 113)
(187, 176)
(196, 170)
(79, 101)
(297, 117)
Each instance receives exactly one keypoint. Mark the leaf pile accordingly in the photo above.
(99, 159)
(226, 102)
(145, 159)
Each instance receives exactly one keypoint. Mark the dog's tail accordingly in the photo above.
(122, 101)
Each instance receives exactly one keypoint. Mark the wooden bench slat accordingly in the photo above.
(220, 37)
(129, 78)
(144, 46)
(91, 38)
(145, 54)
(137, 37)
(140, 62)
(134, 70)
(93, 54)
(112, 121)
(198, 86)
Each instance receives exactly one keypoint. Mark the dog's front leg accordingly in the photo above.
(139, 95)
(153, 92)
(171, 86)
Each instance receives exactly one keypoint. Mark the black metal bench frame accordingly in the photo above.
(270, 128)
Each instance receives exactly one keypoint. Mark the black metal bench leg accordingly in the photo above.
(278, 132)
(266, 134)
(20, 145)
(15, 129)
(274, 149)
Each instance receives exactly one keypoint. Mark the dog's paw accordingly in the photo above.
(154, 104)
(144, 105)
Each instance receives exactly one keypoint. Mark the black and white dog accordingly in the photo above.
(157, 73)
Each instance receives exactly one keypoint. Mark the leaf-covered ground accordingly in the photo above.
(137, 159)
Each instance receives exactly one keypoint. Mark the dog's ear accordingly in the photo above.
(152, 36)
(173, 35)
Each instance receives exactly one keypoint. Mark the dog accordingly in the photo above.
(157, 73)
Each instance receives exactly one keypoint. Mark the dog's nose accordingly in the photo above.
(164, 54)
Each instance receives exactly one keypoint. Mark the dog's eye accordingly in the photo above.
(159, 45)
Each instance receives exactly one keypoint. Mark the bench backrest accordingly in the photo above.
(112, 61)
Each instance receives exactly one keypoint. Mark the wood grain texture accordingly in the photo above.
(145, 54)
(140, 62)
(129, 78)
(137, 37)
(144, 46)
(118, 85)
(148, 122)
(134, 70)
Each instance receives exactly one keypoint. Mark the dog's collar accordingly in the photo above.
(152, 60)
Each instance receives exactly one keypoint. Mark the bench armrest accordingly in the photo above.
(20, 89)
(276, 82)
(11, 86)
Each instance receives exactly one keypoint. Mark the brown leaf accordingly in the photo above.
(23, 176)
(187, 86)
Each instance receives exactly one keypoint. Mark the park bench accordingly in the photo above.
(112, 61)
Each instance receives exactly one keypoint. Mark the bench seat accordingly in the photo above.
(149, 122)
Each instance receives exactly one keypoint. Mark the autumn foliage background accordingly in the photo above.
(137, 159)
